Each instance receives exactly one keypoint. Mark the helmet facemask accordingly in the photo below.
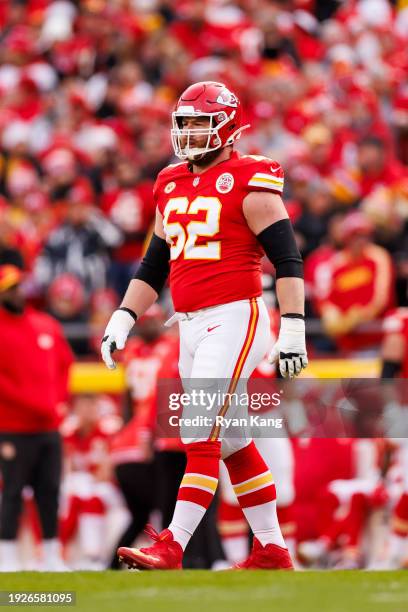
(183, 150)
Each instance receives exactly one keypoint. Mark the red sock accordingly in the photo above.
(196, 490)
(200, 478)
(254, 487)
(250, 477)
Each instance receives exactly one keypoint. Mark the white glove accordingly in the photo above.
(290, 348)
(115, 336)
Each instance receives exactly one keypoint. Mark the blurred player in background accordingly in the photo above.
(217, 214)
(34, 363)
(88, 492)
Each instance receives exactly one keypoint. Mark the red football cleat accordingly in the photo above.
(270, 556)
(165, 553)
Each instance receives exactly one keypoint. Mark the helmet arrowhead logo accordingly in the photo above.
(227, 98)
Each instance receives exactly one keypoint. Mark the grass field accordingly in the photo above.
(198, 591)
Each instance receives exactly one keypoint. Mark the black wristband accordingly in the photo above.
(293, 315)
(129, 311)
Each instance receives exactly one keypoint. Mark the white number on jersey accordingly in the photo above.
(183, 240)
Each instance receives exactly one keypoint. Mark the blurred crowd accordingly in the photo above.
(86, 92)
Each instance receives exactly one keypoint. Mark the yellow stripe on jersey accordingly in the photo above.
(198, 481)
(263, 180)
(254, 483)
(265, 175)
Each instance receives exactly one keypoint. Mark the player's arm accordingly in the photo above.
(142, 292)
(392, 354)
(267, 217)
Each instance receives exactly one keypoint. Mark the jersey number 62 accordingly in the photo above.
(183, 238)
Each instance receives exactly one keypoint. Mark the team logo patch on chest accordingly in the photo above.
(225, 183)
(169, 187)
(196, 181)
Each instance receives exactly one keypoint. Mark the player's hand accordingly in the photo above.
(290, 348)
(115, 336)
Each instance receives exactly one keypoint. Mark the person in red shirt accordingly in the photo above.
(34, 364)
(376, 167)
(360, 285)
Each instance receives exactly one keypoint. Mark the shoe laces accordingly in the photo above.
(155, 535)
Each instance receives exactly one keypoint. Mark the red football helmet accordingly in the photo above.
(206, 99)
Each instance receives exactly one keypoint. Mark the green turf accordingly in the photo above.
(197, 591)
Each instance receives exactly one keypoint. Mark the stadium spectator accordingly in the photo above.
(34, 362)
(360, 286)
(79, 246)
(8, 253)
(375, 167)
(66, 302)
(130, 206)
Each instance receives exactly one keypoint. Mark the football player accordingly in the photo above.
(217, 213)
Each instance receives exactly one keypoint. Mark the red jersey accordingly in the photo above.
(356, 282)
(214, 257)
(34, 365)
(361, 282)
(318, 461)
(392, 173)
(396, 322)
(87, 451)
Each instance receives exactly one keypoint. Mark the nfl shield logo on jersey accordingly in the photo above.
(225, 183)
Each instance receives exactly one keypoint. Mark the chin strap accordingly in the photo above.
(237, 134)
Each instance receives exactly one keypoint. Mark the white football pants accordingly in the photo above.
(218, 346)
